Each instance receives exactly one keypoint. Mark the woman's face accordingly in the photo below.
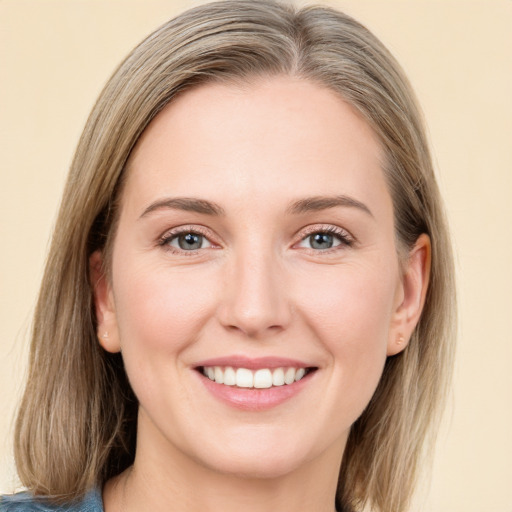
(255, 245)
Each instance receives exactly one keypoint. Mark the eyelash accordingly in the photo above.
(346, 240)
(169, 236)
(342, 235)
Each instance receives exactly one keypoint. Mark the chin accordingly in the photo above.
(257, 467)
(259, 456)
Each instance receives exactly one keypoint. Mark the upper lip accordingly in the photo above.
(254, 363)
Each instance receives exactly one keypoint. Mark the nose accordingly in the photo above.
(255, 298)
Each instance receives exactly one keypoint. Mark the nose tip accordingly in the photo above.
(253, 329)
(254, 301)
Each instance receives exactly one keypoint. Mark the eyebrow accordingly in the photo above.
(305, 205)
(318, 203)
(188, 204)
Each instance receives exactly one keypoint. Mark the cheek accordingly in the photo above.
(350, 305)
(160, 309)
(350, 311)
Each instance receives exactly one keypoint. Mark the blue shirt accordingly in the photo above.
(25, 502)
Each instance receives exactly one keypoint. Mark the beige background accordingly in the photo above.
(55, 56)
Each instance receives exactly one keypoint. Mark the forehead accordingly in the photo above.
(278, 135)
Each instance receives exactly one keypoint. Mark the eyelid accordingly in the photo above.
(345, 237)
(172, 233)
(330, 228)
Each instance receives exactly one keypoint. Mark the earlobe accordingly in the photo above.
(106, 330)
(415, 279)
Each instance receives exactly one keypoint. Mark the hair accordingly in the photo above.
(76, 426)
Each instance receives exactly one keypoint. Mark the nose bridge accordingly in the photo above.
(254, 300)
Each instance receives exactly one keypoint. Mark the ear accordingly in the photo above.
(411, 295)
(107, 331)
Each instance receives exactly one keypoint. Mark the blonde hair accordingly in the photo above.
(77, 422)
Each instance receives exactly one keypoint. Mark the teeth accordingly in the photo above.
(244, 378)
(263, 379)
(219, 375)
(229, 376)
(259, 379)
(300, 373)
(278, 377)
(289, 375)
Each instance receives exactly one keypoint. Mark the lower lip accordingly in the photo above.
(251, 399)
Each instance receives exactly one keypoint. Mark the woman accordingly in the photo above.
(249, 290)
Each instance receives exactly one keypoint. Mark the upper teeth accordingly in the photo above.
(262, 378)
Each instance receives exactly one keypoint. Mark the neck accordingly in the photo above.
(169, 479)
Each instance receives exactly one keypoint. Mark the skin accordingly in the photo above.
(257, 287)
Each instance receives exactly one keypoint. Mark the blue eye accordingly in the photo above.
(321, 241)
(187, 241)
(325, 239)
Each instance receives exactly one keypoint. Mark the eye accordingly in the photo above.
(326, 238)
(185, 240)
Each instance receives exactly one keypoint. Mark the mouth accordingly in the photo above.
(256, 378)
(255, 384)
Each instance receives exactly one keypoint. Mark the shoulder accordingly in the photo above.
(25, 502)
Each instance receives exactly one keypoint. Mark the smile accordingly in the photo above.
(262, 378)
(255, 384)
